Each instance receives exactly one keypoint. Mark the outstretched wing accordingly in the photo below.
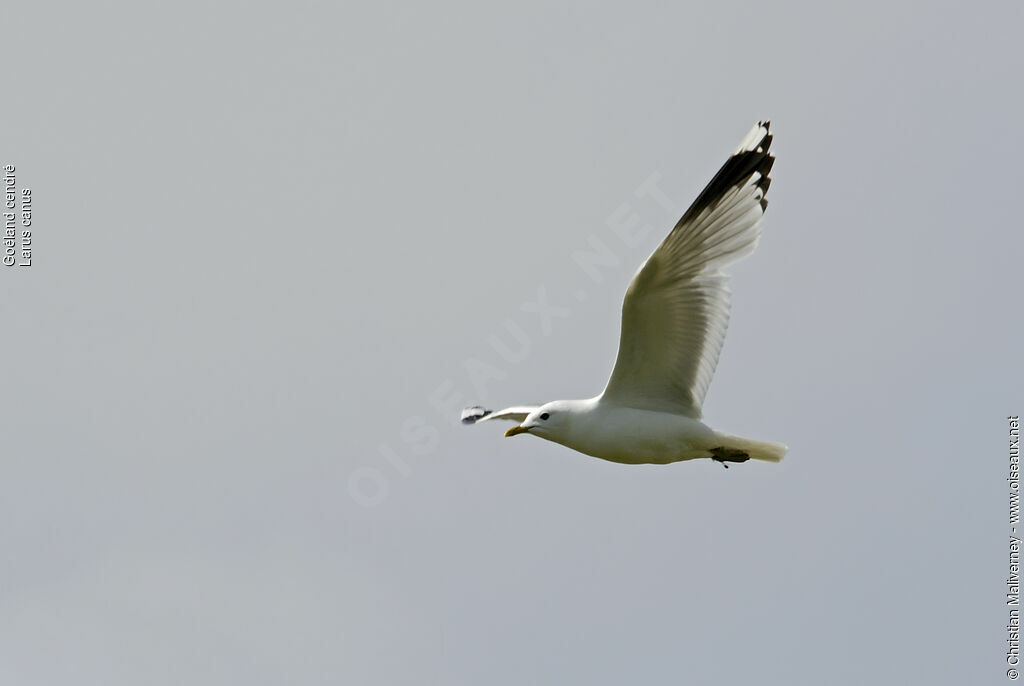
(472, 415)
(676, 308)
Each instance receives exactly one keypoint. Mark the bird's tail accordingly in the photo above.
(755, 450)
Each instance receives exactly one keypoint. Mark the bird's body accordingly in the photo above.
(674, 318)
(635, 436)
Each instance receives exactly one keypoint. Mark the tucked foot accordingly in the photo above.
(725, 455)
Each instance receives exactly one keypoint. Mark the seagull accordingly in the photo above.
(674, 318)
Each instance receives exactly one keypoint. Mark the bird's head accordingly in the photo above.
(548, 421)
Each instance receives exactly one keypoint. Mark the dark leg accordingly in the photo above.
(725, 455)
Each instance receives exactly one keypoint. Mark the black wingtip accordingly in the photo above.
(472, 415)
(737, 170)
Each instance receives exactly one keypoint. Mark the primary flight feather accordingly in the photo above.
(674, 319)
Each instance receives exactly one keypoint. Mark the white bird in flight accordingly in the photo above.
(674, 318)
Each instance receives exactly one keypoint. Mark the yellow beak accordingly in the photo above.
(516, 430)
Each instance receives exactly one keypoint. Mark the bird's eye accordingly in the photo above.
(544, 416)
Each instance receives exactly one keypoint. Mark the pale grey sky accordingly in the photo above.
(271, 241)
